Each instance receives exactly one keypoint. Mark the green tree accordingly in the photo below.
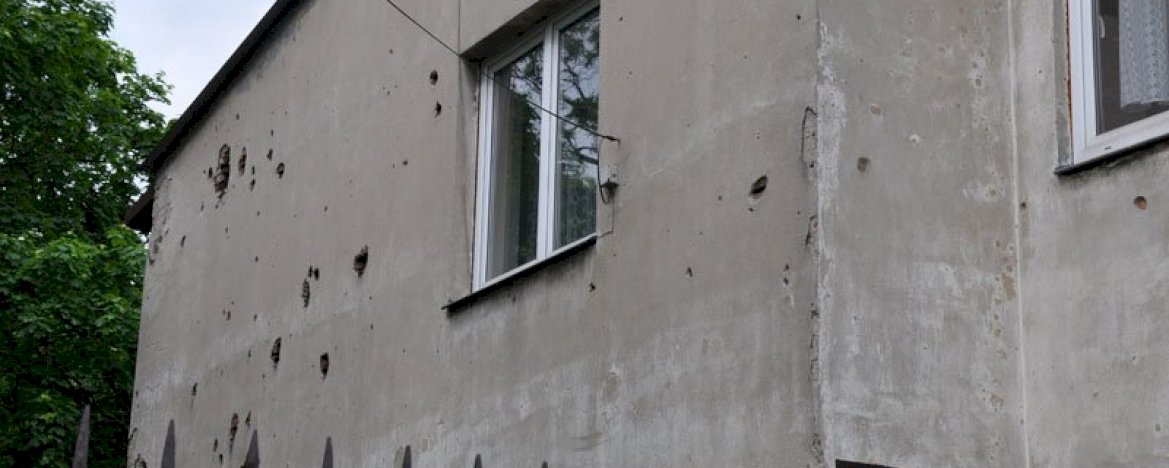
(74, 120)
(74, 127)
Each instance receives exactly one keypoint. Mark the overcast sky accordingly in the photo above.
(188, 40)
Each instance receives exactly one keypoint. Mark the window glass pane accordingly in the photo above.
(1132, 61)
(515, 164)
(576, 167)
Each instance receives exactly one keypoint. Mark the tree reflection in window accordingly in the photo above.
(578, 149)
(515, 171)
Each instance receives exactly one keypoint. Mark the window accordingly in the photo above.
(537, 170)
(1120, 74)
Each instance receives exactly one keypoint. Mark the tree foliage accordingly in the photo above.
(69, 331)
(74, 120)
(74, 127)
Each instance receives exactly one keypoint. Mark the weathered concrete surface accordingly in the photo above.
(682, 338)
(920, 332)
(1095, 282)
(913, 288)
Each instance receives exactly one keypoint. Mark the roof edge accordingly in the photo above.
(140, 214)
(215, 88)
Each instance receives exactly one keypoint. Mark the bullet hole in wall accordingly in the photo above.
(183, 241)
(269, 154)
(305, 292)
(324, 365)
(862, 165)
(243, 160)
(437, 109)
(252, 185)
(405, 162)
(689, 272)
(280, 171)
(1140, 202)
(248, 419)
(360, 261)
(231, 431)
(195, 389)
(223, 171)
(758, 187)
(433, 77)
(813, 227)
(276, 353)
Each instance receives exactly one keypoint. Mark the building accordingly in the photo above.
(826, 232)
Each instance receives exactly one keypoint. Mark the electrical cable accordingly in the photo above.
(484, 76)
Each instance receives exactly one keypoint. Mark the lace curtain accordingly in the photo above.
(1144, 51)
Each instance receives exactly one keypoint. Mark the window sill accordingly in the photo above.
(517, 275)
(1112, 158)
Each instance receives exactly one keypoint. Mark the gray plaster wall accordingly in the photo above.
(914, 288)
(919, 304)
(1094, 283)
(682, 338)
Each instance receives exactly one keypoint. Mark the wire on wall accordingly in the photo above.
(484, 76)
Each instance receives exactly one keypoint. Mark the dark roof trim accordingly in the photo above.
(218, 84)
(140, 214)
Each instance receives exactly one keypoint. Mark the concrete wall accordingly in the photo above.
(919, 296)
(914, 288)
(1094, 283)
(681, 338)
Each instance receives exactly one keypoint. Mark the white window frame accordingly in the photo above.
(548, 34)
(1087, 144)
